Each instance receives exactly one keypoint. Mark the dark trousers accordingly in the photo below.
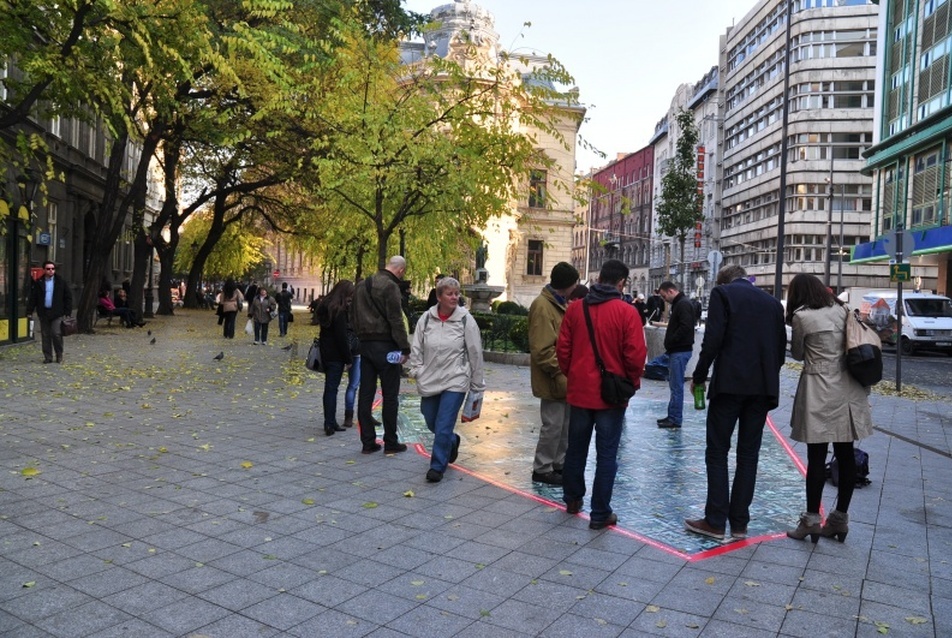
(373, 366)
(816, 475)
(52, 336)
(724, 411)
(283, 323)
(228, 321)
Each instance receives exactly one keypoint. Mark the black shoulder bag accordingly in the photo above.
(616, 389)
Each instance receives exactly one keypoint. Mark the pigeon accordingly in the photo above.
(219, 356)
(153, 341)
(288, 347)
(149, 333)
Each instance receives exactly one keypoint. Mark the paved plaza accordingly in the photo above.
(148, 489)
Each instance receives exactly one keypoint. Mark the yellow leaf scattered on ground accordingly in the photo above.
(247, 464)
(652, 609)
(916, 620)
(29, 471)
(409, 494)
(370, 505)
(709, 580)
(308, 501)
(29, 584)
(564, 572)
(751, 583)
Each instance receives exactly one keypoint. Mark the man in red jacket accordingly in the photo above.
(620, 338)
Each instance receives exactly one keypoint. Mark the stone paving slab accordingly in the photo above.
(149, 490)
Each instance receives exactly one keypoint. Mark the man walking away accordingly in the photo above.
(52, 300)
(284, 299)
(548, 382)
(679, 346)
(745, 341)
(620, 339)
(377, 318)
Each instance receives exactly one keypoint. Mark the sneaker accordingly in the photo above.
(702, 527)
(255, 343)
(433, 476)
(370, 449)
(608, 522)
(549, 478)
(668, 424)
(454, 451)
(396, 447)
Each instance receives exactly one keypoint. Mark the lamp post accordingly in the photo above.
(829, 228)
(839, 265)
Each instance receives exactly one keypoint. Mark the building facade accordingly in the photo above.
(909, 162)
(815, 147)
(523, 244)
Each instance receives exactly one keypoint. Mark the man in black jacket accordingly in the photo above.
(378, 320)
(745, 341)
(52, 300)
(678, 345)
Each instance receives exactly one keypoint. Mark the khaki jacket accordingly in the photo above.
(545, 319)
(830, 405)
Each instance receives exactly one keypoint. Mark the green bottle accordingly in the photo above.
(699, 397)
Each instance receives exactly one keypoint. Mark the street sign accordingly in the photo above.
(900, 272)
(908, 244)
(714, 258)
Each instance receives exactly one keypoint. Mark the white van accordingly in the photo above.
(926, 318)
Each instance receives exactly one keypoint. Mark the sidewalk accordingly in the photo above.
(150, 490)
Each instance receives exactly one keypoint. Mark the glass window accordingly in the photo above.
(534, 257)
(537, 182)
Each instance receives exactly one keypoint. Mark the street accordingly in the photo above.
(930, 371)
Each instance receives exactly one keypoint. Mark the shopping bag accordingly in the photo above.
(250, 327)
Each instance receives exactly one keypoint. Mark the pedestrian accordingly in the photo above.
(654, 307)
(679, 346)
(339, 354)
(642, 308)
(446, 359)
(548, 381)
(260, 311)
(698, 309)
(431, 299)
(51, 299)
(230, 302)
(745, 341)
(830, 406)
(378, 319)
(251, 291)
(620, 339)
(284, 299)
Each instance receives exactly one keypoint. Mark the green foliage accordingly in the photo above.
(519, 333)
(503, 333)
(235, 255)
(511, 308)
(680, 206)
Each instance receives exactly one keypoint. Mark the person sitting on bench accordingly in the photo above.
(108, 309)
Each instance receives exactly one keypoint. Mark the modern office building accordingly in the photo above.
(830, 84)
(910, 160)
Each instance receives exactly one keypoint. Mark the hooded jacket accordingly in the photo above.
(679, 337)
(619, 335)
(545, 319)
(446, 356)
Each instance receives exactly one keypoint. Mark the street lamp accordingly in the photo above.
(839, 265)
(829, 227)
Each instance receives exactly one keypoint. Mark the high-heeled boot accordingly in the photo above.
(348, 418)
(837, 525)
(809, 525)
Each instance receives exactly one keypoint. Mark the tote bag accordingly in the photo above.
(864, 351)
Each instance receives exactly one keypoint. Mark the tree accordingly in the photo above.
(680, 207)
(435, 148)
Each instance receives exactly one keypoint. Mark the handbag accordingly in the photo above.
(68, 326)
(864, 351)
(616, 389)
(313, 361)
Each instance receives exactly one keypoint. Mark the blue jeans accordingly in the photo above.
(677, 364)
(607, 425)
(283, 323)
(440, 412)
(353, 382)
(723, 412)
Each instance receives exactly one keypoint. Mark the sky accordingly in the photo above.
(628, 57)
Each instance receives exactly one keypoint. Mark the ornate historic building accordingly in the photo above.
(536, 233)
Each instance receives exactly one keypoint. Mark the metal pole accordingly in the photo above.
(899, 258)
(782, 205)
(827, 263)
(839, 265)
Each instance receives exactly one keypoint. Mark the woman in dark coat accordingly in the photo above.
(338, 353)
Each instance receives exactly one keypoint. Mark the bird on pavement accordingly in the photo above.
(288, 347)
(219, 356)
(153, 341)
(149, 333)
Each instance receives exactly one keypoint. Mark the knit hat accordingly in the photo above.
(563, 275)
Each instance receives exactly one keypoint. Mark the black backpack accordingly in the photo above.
(862, 469)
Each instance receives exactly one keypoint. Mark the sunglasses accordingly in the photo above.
(50, 268)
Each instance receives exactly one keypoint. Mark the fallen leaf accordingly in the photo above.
(247, 464)
(709, 580)
(916, 620)
(661, 624)
(652, 609)
(370, 505)
(29, 471)
(751, 583)
(308, 501)
(29, 584)
(564, 572)
(417, 583)
(409, 494)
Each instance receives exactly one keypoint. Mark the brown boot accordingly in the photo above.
(809, 526)
(348, 418)
(837, 525)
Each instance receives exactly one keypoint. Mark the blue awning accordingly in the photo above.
(928, 241)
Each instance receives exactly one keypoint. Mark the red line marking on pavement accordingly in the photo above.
(728, 546)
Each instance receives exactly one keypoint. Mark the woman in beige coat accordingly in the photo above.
(830, 405)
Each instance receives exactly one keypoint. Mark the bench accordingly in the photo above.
(102, 313)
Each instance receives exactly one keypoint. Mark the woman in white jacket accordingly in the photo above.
(446, 358)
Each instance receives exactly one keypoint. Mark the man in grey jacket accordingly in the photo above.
(378, 320)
